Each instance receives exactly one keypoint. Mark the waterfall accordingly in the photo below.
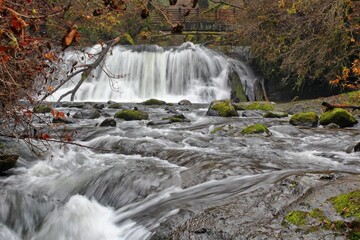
(137, 73)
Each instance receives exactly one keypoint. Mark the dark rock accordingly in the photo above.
(332, 126)
(153, 101)
(222, 108)
(159, 122)
(42, 109)
(177, 118)
(88, 106)
(115, 106)
(306, 119)
(184, 102)
(108, 122)
(73, 104)
(357, 147)
(110, 102)
(338, 116)
(7, 161)
(237, 90)
(271, 114)
(99, 105)
(63, 120)
(130, 115)
(87, 114)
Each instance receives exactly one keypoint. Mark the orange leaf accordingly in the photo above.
(45, 136)
(68, 137)
(69, 38)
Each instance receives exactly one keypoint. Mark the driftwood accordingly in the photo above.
(330, 106)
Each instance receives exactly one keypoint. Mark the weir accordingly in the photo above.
(137, 73)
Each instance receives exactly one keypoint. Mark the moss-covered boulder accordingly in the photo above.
(115, 106)
(297, 217)
(222, 108)
(260, 106)
(338, 116)
(7, 161)
(153, 101)
(256, 129)
(348, 204)
(177, 118)
(42, 109)
(108, 122)
(271, 114)
(306, 119)
(131, 115)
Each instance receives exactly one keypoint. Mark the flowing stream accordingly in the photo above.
(135, 177)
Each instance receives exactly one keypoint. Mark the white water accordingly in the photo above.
(190, 72)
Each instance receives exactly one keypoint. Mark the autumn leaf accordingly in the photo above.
(72, 35)
(45, 136)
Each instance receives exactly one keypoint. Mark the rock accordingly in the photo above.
(108, 122)
(115, 106)
(153, 101)
(87, 114)
(159, 122)
(295, 99)
(99, 105)
(357, 147)
(271, 114)
(259, 106)
(338, 116)
(252, 114)
(332, 126)
(73, 104)
(88, 106)
(237, 93)
(256, 129)
(222, 108)
(185, 102)
(177, 118)
(42, 109)
(306, 119)
(7, 161)
(130, 115)
(63, 120)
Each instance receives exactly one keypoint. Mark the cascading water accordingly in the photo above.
(190, 72)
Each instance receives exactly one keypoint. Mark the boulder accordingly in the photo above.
(153, 101)
(177, 118)
(63, 120)
(259, 106)
(306, 119)
(338, 116)
(256, 129)
(42, 109)
(88, 106)
(108, 122)
(159, 122)
(271, 114)
(99, 105)
(73, 104)
(130, 115)
(87, 114)
(252, 114)
(7, 161)
(184, 102)
(357, 147)
(115, 106)
(222, 108)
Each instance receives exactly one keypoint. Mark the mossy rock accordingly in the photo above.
(307, 119)
(348, 204)
(177, 118)
(153, 101)
(256, 129)
(297, 217)
(222, 108)
(318, 215)
(338, 116)
(42, 109)
(271, 114)
(115, 106)
(260, 106)
(130, 115)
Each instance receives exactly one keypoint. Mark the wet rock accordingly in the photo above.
(306, 119)
(108, 122)
(73, 104)
(252, 114)
(184, 102)
(222, 108)
(177, 118)
(332, 126)
(159, 122)
(256, 129)
(99, 105)
(338, 116)
(265, 106)
(357, 147)
(88, 106)
(7, 161)
(131, 115)
(63, 120)
(87, 114)
(271, 114)
(115, 106)
(42, 109)
(153, 101)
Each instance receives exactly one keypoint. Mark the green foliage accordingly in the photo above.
(339, 116)
(153, 101)
(42, 109)
(130, 115)
(297, 217)
(224, 108)
(256, 129)
(309, 119)
(348, 204)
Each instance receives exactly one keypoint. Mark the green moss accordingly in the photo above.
(339, 225)
(115, 106)
(239, 93)
(224, 108)
(275, 115)
(153, 101)
(42, 109)
(317, 214)
(217, 129)
(354, 235)
(2, 145)
(309, 119)
(130, 115)
(260, 106)
(348, 204)
(296, 217)
(339, 116)
(256, 128)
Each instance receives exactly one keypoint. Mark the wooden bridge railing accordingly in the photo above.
(197, 20)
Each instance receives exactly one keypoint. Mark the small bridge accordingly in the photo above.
(217, 20)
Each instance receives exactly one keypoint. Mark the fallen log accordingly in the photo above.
(330, 106)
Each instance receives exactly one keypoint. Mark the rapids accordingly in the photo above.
(135, 179)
